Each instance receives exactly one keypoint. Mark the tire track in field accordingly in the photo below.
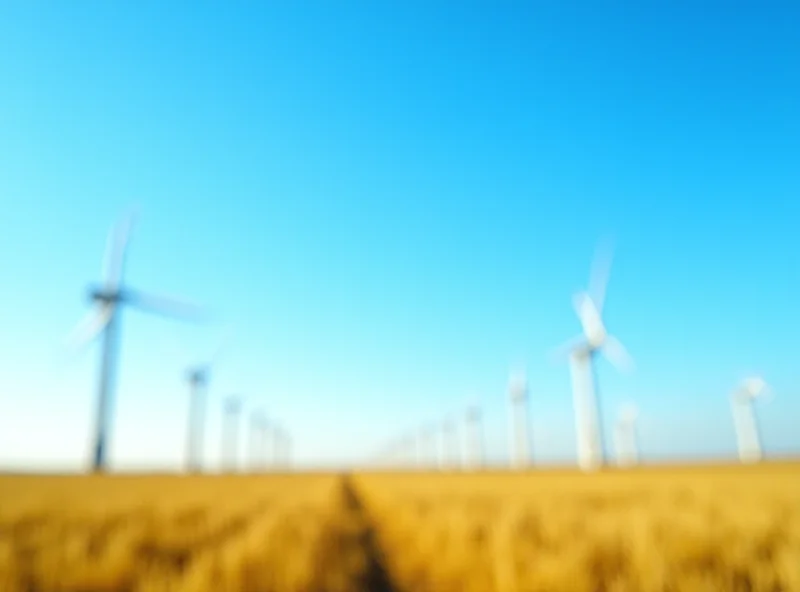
(349, 558)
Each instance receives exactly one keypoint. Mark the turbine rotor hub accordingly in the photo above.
(104, 296)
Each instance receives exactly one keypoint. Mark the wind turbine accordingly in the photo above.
(518, 391)
(424, 440)
(105, 320)
(625, 440)
(582, 352)
(232, 409)
(269, 445)
(449, 445)
(408, 451)
(198, 377)
(277, 445)
(474, 437)
(281, 446)
(287, 450)
(747, 433)
(258, 433)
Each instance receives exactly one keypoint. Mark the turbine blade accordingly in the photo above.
(89, 326)
(616, 353)
(601, 268)
(579, 303)
(166, 305)
(589, 317)
(116, 248)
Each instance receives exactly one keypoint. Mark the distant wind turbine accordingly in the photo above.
(105, 320)
(582, 351)
(745, 422)
(474, 437)
(282, 446)
(520, 444)
(232, 409)
(408, 446)
(198, 377)
(426, 447)
(625, 437)
(449, 448)
(258, 440)
(288, 450)
(277, 445)
(273, 445)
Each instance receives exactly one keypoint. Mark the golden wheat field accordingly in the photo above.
(657, 529)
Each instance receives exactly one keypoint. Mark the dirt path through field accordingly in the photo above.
(349, 558)
(376, 578)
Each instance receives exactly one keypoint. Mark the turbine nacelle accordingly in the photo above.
(751, 388)
(198, 376)
(104, 296)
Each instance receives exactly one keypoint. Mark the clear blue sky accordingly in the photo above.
(394, 205)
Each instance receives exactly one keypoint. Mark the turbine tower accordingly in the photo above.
(258, 426)
(625, 440)
(474, 437)
(105, 320)
(747, 433)
(269, 444)
(408, 446)
(281, 446)
(449, 449)
(232, 409)
(582, 352)
(426, 447)
(198, 388)
(198, 377)
(520, 445)
(288, 450)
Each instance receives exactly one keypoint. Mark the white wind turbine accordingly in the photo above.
(449, 446)
(198, 376)
(286, 449)
(258, 440)
(473, 434)
(744, 418)
(582, 351)
(281, 446)
(105, 320)
(426, 447)
(409, 447)
(398, 457)
(520, 444)
(625, 437)
(231, 414)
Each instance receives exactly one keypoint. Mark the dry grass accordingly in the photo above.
(701, 528)
(712, 528)
(160, 534)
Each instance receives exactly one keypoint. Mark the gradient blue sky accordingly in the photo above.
(393, 203)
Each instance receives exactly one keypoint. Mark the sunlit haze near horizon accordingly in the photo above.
(392, 207)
